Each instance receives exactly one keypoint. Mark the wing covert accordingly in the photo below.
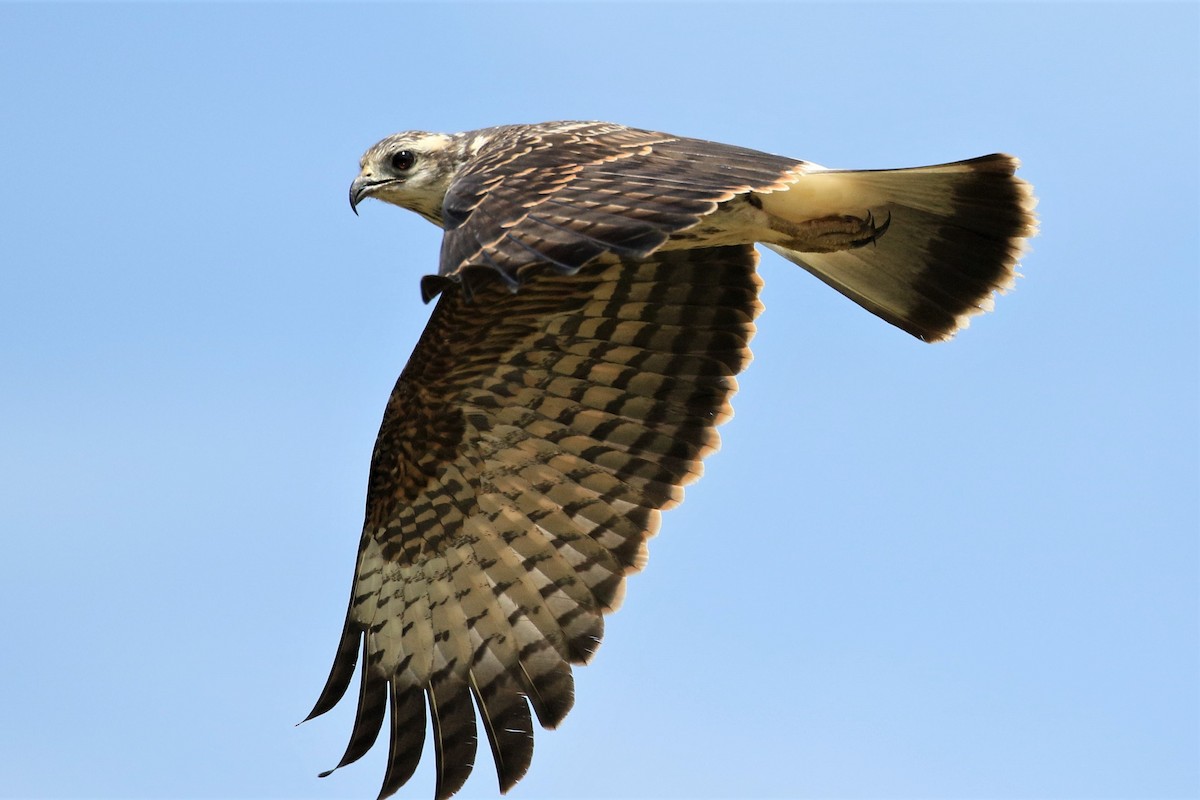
(562, 194)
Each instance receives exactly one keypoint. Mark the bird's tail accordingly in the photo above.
(947, 238)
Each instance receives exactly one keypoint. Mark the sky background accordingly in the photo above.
(964, 570)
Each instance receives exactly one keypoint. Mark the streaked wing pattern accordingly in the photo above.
(598, 297)
(566, 193)
(523, 461)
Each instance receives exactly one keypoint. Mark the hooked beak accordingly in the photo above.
(365, 186)
(359, 189)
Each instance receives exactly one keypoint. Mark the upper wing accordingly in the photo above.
(563, 193)
(523, 460)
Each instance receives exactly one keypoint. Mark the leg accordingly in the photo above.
(830, 234)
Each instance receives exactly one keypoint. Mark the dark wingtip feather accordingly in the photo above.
(407, 738)
(504, 713)
(551, 692)
(368, 720)
(340, 674)
(454, 735)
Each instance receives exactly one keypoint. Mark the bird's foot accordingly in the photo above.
(837, 232)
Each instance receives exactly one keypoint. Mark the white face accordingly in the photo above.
(411, 170)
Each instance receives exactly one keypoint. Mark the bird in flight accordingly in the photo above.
(596, 296)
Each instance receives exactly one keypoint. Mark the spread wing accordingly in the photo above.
(563, 193)
(523, 461)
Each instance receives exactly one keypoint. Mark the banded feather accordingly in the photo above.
(564, 418)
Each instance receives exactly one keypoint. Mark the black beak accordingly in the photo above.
(358, 190)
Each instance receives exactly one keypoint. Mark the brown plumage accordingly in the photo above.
(597, 298)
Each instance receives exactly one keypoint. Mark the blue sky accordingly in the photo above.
(965, 570)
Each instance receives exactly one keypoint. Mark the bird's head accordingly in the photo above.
(411, 170)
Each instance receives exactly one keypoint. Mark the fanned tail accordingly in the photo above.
(948, 238)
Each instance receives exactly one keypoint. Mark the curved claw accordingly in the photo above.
(879, 231)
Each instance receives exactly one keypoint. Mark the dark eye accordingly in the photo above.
(403, 160)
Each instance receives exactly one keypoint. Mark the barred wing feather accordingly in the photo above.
(523, 461)
(565, 193)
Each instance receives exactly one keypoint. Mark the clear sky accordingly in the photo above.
(964, 570)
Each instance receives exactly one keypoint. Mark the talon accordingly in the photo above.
(833, 233)
(882, 229)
